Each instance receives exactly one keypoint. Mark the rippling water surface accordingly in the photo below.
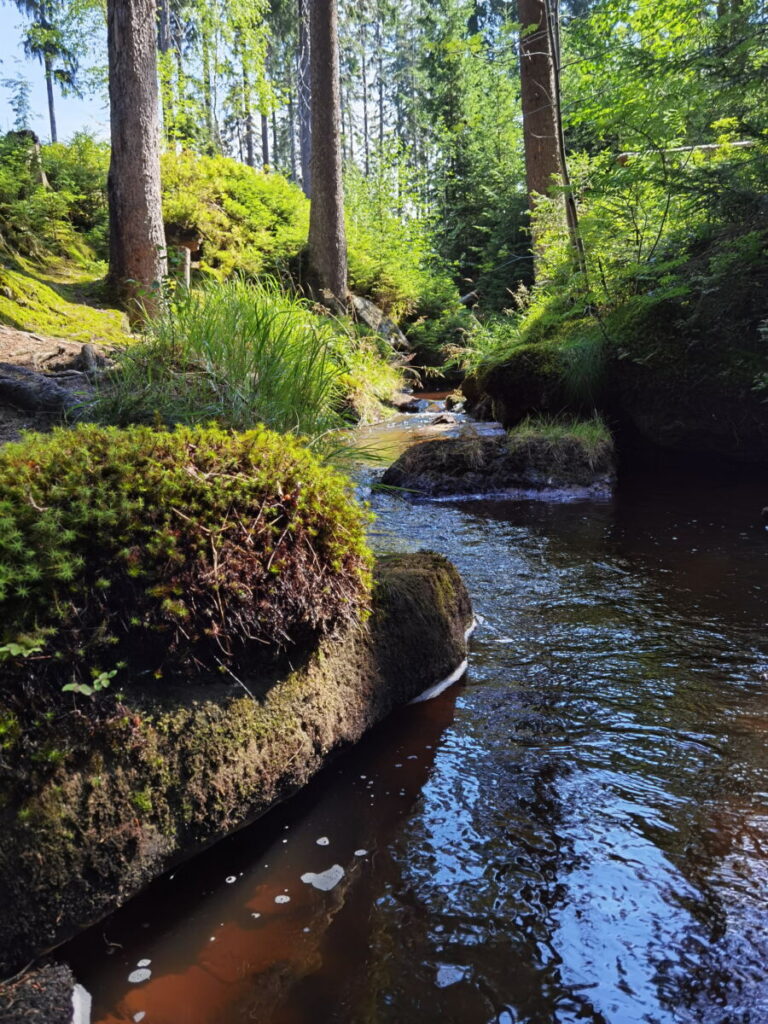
(578, 831)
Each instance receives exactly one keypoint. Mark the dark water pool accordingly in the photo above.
(576, 832)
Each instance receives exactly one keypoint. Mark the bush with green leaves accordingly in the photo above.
(78, 170)
(249, 221)
(150, 550)
(34, 220)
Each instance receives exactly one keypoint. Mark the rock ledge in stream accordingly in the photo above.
(503, 465)
(91, 812)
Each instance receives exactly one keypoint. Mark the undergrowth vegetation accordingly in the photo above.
(53, 207)
(242, 354)
(162, 551)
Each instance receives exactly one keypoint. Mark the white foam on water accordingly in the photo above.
(142, 974)
(326, 880)
(282, 899)
(81, 1005)
(437, 689)
(449, 974)
(230, 879)
(139, 1016)
(361, 853)
(323, 841)
(143, 963)
(255, 915)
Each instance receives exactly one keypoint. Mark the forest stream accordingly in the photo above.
(576, 831)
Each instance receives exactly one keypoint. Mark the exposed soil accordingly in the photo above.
(43, 354)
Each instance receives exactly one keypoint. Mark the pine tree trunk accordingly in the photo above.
(137, 260)
(304, 98)
(51, 105)
(538, 93)
(248, 112)
(265, 141)
(292, 132)
(380, 56)
(327, 239)
(366, 132)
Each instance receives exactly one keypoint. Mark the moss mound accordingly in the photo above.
(167, 550)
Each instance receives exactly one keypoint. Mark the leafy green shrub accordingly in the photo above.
(242, 354)
(78, 170)
(34, 220)
(441, 327)
(250, 222)
(168, 550)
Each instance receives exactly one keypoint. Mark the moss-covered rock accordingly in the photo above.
(93, 808)
(538, 460)
(61, 300)
(681, 368)
(42, 996)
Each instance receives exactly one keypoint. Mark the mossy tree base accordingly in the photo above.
(92, 811)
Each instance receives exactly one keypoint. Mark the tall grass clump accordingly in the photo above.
(234, 353)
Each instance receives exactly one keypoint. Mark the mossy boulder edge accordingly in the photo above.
(504, 466)
(174, 769)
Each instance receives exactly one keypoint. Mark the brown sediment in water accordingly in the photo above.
(170, 775)
(231, 952)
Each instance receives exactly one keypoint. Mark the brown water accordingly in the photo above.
(578, 831)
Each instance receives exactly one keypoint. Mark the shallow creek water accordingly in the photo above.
(577, 831)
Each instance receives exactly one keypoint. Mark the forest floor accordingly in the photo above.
(39, 352)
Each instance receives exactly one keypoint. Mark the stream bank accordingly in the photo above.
(574, 832)
(172, 770)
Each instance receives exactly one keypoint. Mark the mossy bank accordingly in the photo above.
(93, 810)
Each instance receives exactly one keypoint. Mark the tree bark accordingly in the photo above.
(538, 89)
(304, 90)
(327, 239)
(264, 141)
(51, 104)
(292, 133)
(137, 259)
(364, 69)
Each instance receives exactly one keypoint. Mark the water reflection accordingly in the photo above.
(586, 840)
(230, 935)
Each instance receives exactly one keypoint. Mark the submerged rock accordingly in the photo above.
(503, 464)
(95, 806)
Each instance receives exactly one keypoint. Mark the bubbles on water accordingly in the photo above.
(449, 974)
(230, 879)
(323, 841)
(255, 914)
(361, 853)
(139, 1016)
(142, 974)
(282, 899)
(325, 880)
(143, 963)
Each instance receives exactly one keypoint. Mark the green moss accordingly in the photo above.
(10, 730)
(35, 300)
(142, 801)
(253, 541)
